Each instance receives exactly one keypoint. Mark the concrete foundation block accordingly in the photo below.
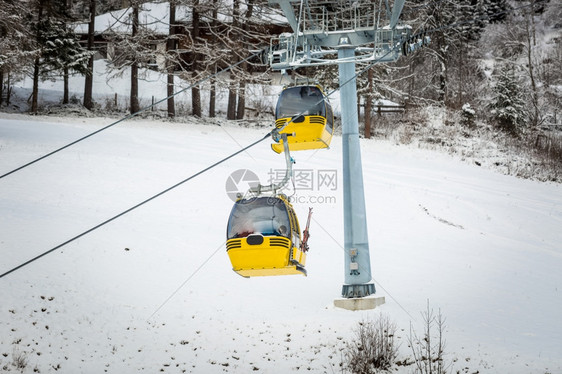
(361, 303)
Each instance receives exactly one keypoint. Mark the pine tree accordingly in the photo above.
(89, 77)
(439, 71)
(496, 10)
(171, 44)
(134, 96)
(59, 47)
(508, 106)
(17, 42)
(62, 50)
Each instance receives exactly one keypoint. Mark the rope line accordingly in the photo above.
(215, 164)
(136, 206)
(459, 23)
(129, 116)
(186, 281)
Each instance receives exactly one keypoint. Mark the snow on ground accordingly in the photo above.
(153, 291)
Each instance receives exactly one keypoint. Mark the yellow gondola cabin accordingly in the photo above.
(304, 113)
(263, 238)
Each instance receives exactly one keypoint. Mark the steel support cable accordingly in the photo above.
(204, 170)
(186, 280)
(130, 115)
(238, 63)
(136, 206)
(328, 233)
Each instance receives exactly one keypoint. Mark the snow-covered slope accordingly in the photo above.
(153, 290)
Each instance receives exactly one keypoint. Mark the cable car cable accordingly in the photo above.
(187, 280)
(372, 278)
(227, 69)
(130, 115)
(194, 175)
(135, 206)
(242, 61)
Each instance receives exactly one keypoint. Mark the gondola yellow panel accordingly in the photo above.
(263, 238)
(303, 112)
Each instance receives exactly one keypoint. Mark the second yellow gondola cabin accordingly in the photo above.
(263, 238)
(304, 113)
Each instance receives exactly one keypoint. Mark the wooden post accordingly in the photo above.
(358, 107)
(368, 104)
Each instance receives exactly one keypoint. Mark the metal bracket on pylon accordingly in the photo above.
(320, 28)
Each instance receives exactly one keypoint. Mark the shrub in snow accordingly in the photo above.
(429, 348)
(467, 116)
(19, 360)
(372, 350)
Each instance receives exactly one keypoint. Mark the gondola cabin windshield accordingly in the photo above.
(304, 100)
(304, 113)
(265, 216)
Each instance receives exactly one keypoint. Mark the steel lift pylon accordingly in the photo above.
(345, 32)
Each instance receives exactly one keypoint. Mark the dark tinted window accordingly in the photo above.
(263, 215)
(305, 100)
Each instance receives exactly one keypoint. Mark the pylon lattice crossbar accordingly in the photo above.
(321, 27)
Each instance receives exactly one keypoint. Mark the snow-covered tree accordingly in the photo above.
(496, 10)
(134, 96)
(59, 47)
(241, 32)
(134, 46)
(17, 42)
(440, 71)
(468, 116)
(171, 44)
(62, 52)
(507, 105)
(89, 76)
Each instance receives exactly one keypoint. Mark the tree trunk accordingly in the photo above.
(241, 107)
(535, 97)
(241, 110)
(368, 104)
(196, 101)
(1, 86)
(8, 90)
(231, 108)
(65, 98)
(212, 94)
(212, 97)
(170, 92)
(35, 91)
(232, 88)
(460, 71)
(358, 109)
(442, 81)
(171, 45)
(36, 63)
(134, 65)
(89, 80)
(195, 91)
(134, 88)
(65, 70)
